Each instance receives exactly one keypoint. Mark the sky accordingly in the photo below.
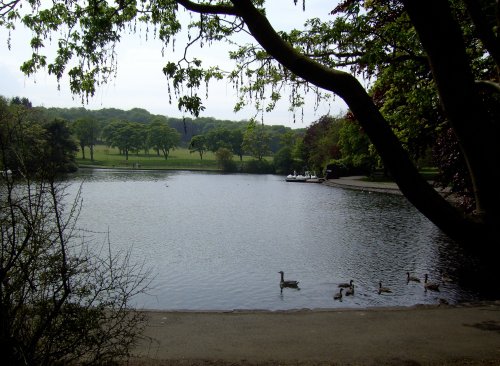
(140, 82)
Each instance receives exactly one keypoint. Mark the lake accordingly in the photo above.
(217, 241)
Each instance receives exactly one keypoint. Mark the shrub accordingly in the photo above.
(258, 167)
(62, 300)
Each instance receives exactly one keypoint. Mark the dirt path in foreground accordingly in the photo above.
(464, 335)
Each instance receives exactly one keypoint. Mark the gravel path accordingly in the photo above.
(421, 335)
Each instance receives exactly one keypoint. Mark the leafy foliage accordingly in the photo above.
(355, 148)
(225, 161)
(34, 145)
(87, 132)
(127, 136)
(198, 144)
(320, 143)
(59, 150)
(163, 138)
(283, 161)
(256, 140)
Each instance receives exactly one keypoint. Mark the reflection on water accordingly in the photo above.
(217, 242)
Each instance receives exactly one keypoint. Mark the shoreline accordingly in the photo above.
(464, 304)
(466, 334)
(357, 183)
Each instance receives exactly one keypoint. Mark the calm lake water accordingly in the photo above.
(217, 242)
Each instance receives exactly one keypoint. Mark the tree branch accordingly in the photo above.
(484, 30)
(412, 184)
(6, 8)
(488, 85)
(209, 9)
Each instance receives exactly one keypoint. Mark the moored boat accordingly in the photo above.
(295, 177)
(306, 178)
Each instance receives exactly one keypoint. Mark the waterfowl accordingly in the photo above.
(350, 291)
(411, 278)
(283, 283)
(345, 285)
(445, 278)
(382, 289)
(338, 295)
(430, 285)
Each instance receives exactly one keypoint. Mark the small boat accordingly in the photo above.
(295, 178)
(313, 178)
(306, 178)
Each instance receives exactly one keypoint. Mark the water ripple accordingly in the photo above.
(216, 242)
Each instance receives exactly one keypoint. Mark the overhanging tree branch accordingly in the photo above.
(485, 29)
(208, 9)
(411, 183)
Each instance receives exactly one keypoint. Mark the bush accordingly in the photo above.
(340, 168)
(225, 161)
(258, 167)
(283, 161)
(62, 300)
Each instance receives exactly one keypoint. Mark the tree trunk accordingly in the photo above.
(92, 153)
(406, 175)
(475, 125)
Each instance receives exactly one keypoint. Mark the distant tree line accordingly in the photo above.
(328, 140)
(186, 127)
(334, 145)
(138, 130)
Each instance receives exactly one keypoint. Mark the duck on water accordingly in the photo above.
(383, 290)
(410, 278)
(290, 284)
(338, 295)
(432, 286)
(345, 284)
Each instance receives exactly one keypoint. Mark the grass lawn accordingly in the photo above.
(180, 158)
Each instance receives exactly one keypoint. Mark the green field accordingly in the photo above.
(181, 158)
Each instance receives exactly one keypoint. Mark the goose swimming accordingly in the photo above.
(382, 289)
(430, 285)
(410, 278)
(338, 295)
(350, 291)
(283, 283)
(345, 285)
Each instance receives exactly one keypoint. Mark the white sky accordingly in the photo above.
(140, 82)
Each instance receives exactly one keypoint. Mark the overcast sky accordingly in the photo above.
(140, 82)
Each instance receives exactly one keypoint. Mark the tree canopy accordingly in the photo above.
(430, 62)
(32, 144)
